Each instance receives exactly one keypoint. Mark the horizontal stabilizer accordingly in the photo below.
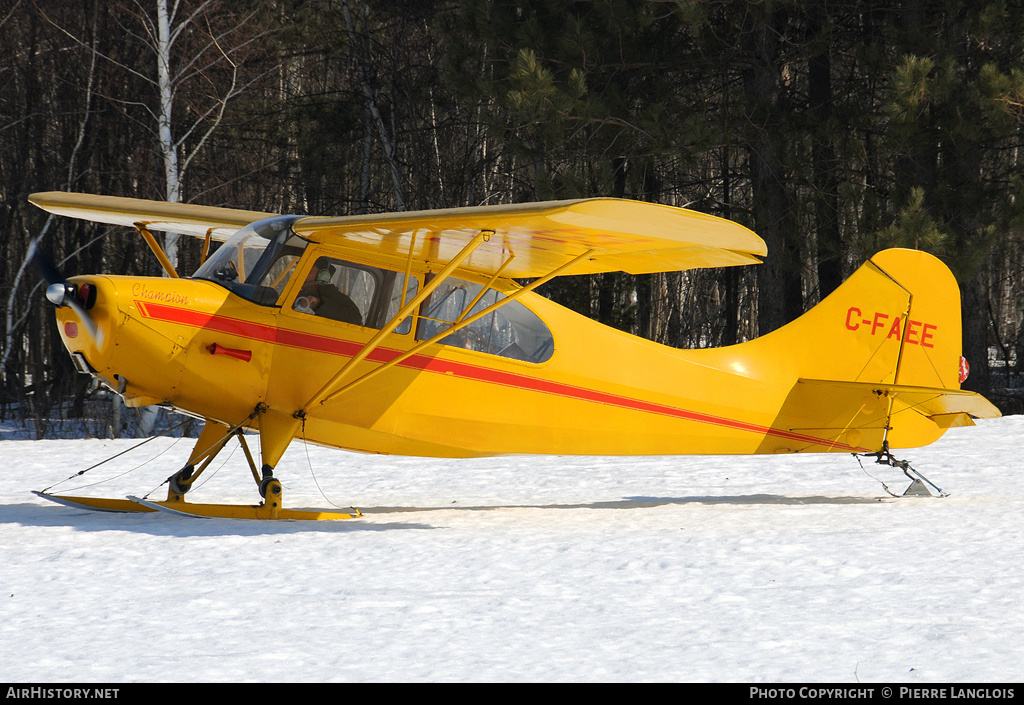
(937, 403)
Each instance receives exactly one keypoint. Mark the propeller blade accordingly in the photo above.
(45, 266)
(60, 293)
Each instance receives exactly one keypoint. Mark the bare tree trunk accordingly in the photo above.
(779, 296)
(826, 184)
(371, 104)
(165, 134)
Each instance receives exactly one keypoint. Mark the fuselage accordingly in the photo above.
(198, 347)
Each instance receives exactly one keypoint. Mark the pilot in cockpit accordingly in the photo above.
(320, 296)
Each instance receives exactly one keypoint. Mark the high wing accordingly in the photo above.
(534, 239)
(628, 236)
(183, 218)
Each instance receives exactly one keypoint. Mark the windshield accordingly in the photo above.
(257, 261)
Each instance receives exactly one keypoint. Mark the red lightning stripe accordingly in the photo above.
(335, 346)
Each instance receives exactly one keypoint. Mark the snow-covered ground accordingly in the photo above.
(784, 568)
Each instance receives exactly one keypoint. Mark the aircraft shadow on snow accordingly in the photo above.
(27, 514)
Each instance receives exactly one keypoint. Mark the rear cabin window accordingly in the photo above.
(355, 293)
(512, 330)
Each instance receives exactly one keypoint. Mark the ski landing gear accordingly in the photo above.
(275, 435)
(920, 486)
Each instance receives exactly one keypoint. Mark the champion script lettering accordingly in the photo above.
(141, 291)
(878, 323)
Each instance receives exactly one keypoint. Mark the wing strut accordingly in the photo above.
(157, 250)
(458, 324)
(318, 398)
(488, 285)
(206, 246)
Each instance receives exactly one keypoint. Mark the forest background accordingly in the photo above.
(832, 129)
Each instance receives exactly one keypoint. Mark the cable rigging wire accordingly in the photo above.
(118, 455)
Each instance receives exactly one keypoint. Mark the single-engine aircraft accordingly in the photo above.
(407, 333)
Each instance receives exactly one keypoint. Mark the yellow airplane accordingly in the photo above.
(406, 333)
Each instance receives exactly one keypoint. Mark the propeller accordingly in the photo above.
(60, 293)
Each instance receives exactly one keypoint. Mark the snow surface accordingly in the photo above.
(765, 569)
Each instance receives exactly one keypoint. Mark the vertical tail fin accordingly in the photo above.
(879, 359)
(896, 320)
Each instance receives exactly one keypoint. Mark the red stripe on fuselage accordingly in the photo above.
(346, 348)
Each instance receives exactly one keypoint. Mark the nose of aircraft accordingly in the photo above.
(75, 300)
(86, 320)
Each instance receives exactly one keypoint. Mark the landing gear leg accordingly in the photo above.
(271, 491)
(211, 441)
(276, 433)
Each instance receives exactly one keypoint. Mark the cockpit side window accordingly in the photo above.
(354, 293)
(512, 330)
(338, 290)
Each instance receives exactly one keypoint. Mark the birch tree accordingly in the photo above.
(190, 41)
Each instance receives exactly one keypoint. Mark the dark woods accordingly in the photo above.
(833, 130)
